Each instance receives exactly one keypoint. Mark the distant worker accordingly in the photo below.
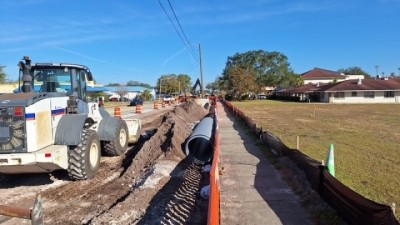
(213, 99)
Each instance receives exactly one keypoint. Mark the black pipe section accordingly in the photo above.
(200, 144)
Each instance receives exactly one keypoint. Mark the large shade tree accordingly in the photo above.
(2, 75)
(355, 70)
(267, 69)
(137, 83)
(172, 83)
(241, 81)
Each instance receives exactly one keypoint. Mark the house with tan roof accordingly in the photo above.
(361, 91)
(323, 76)
(328, 86)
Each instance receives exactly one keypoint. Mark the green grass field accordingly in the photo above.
(366, 139)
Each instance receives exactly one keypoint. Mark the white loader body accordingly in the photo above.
(44, 131)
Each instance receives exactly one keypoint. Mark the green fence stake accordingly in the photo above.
(330, 161)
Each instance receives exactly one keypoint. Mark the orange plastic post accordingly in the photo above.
(156, 105)
(117, 112)
(138, 109)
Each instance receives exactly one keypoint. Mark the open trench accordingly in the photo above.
(153, 183)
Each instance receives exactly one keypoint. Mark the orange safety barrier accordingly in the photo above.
(117, 112)
(138, 109)
(214, 201)
(156, 105)
(163, 104)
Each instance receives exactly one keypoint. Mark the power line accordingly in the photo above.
(180, 26)
(191, 67)
(185, 41)
(176, 30)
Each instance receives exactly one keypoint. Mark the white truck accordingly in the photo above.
(50, 124)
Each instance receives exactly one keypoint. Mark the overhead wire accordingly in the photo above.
(180, 26)
(191, 67)
(185, 40)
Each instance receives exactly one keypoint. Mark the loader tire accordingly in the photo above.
(84, 159)
(119, 145)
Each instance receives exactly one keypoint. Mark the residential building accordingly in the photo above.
(7, 88)
(361, 91)
(348, 91)
(323, 76)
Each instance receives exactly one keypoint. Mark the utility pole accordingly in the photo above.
(159, 94)
(377, 70)
(201, 73)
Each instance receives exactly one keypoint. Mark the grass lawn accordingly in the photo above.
(366, 139)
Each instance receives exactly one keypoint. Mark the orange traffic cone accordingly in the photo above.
(138, 109)
(156, 105)
(117, 112)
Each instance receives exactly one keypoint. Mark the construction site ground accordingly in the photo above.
(153, 183)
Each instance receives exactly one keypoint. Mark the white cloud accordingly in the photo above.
(98, 60)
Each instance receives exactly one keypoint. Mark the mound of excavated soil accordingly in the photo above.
(153, 182)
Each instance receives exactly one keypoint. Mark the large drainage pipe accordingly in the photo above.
(199, 146)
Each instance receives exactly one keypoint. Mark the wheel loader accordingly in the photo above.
(51, 124)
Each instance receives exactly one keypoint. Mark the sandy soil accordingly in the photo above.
(153, 183)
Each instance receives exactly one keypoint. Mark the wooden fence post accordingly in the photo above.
(394, 208)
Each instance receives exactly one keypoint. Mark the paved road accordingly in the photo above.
(129, 112)
(252, 191)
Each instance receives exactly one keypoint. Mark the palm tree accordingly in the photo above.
(146, 95)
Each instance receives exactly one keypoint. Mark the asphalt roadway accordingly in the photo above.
(252, 191)
(147, 110)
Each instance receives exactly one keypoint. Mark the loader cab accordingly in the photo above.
(64, 79)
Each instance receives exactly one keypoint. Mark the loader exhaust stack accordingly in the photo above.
(26, 75)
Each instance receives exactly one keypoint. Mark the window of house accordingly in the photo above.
(369, 94)
(339, 95)
(389, 94)
(354, 94)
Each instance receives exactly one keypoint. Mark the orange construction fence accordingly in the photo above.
(214, 200)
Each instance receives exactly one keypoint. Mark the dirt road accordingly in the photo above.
(152, 183)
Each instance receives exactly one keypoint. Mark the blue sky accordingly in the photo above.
(124, 40)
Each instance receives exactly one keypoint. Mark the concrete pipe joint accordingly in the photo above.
(200, 145)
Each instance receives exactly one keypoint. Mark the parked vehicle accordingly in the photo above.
(261, 96)
(168, 98)
(136, 101)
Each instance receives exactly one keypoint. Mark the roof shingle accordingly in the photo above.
(318, 73)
